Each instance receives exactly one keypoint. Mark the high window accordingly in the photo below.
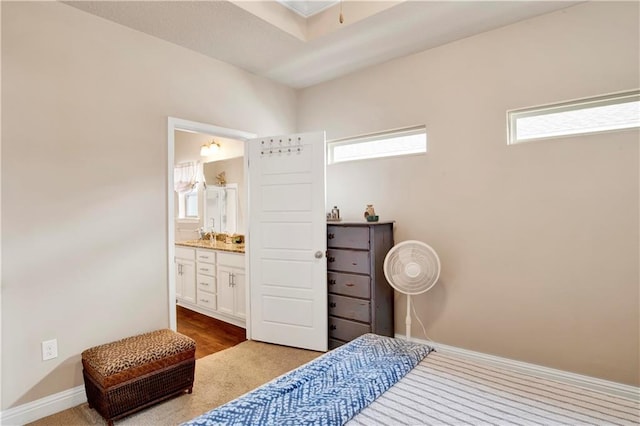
(406, 141)
(591, 115)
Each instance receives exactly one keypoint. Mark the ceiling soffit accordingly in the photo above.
(267, 39)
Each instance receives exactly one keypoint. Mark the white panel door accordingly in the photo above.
(287, 240)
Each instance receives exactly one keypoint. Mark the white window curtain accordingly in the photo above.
(186, 176)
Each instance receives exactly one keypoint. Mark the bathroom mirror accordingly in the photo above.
(221, 208)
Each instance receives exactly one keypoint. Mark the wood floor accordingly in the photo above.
(210, 334)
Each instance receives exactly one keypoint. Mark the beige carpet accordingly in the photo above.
(219, 378)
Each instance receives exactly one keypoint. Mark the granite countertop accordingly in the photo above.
(212, 245)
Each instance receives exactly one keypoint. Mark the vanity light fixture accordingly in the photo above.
(209, 149)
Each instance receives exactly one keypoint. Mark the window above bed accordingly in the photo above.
(591, 115)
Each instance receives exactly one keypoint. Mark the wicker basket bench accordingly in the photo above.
(126, 376)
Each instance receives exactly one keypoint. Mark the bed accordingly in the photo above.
(376, 380)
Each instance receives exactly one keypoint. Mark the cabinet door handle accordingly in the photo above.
(331, 236)
(332, 305)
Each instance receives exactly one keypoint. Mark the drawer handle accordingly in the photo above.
(331, 259)
(332, 305)
(332, 327)
(349, 284)
(332, 282)
(204, 300)
(331, 236)
(354, 263)
(204, 283)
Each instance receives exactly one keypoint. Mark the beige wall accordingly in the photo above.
(539, 241)
(84, 170)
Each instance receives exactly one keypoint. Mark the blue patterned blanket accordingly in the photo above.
(329, 390)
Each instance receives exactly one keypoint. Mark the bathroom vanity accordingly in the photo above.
(210, 279)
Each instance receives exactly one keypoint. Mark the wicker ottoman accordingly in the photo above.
(126, 376)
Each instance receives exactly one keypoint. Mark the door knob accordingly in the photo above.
(318, 254)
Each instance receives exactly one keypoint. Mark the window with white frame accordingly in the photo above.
(392, 143)
(599, 114)
(188, 204)
(187, 179)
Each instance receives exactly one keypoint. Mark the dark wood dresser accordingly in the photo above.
(360, 299)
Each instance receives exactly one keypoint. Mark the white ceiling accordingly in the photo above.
(260, 42)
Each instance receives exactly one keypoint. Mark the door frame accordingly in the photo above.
(174, 124)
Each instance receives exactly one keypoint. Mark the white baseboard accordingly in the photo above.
(592, 383)
(43, 407)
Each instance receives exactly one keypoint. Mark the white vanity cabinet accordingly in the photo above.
(211, 282)
(231, 285)
(206, 278)
(185, 275)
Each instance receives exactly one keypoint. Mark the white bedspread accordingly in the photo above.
(447, 389)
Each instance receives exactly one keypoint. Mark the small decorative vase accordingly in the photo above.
(369, 211)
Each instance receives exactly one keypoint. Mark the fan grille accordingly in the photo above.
(412, 267)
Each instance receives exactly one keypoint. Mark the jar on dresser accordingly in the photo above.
(360, 298)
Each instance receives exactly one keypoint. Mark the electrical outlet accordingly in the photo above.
(49, 349)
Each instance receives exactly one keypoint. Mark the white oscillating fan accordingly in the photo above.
(411, 267)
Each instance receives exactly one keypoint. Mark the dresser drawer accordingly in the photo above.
(350, 308)
(206, 283)
(346, 330)
(206, 269)
(206, 300)
(206, 256)
(348, 261)
(349, 284)
(348, 237)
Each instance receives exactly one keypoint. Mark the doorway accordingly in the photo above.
(193, 322)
